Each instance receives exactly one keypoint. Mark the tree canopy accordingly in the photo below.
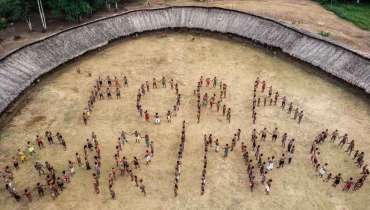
(70, 10)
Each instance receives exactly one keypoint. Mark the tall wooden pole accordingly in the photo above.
(42, 15)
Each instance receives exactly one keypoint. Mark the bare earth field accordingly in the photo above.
(56, 104)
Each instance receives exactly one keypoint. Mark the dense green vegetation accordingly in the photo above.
(71, 10)
(75, 10)
(324, 33)
(2, 24)
(358, 14)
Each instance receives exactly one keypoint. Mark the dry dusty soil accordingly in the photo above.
(57, 101)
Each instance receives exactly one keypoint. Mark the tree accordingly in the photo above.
(107, 4)
(16, 10)
(12, 10)
(27, 14)
(1, 43)
(2, 23)
(116, 4)
(71, 10)
(96, 4)
(42, 15)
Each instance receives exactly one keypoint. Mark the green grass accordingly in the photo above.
(358, 14)
(324, 34)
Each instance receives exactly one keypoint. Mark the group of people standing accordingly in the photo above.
(267, 165)
(274, 136)
(272, 99)
(53, 183)
(145, 88)
(204, 170)
(179, 160)
(123, 165)
(263, 169)
(207, 99)
(322, 168)
(209, 143)
(92, 146)
(104, 89)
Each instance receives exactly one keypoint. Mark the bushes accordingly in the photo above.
(71, 10)
(96, 4)
(324, 34)
(12, 10)
(74, 10)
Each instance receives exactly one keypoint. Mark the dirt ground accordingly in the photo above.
(56, 103)
(304, 14)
